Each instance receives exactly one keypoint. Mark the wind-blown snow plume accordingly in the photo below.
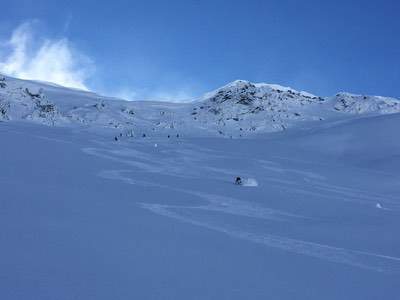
(176, 96)
(54, 60)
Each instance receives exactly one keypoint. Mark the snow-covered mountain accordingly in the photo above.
(240, 108)
(85, 217)
(361, 104)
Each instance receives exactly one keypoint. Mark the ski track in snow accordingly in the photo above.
(361, 259)
(317, 186)
(216, 203)
(227, 205)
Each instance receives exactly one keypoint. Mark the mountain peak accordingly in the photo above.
(236, 109)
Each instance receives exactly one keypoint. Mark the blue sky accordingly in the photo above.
(179, 49)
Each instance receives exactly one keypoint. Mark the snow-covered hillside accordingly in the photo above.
(83, 217)
(97, 202)
(238, 109)
(361, 104)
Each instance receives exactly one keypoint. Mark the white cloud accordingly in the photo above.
(177, 96)
(174, 96)
(124, 93)
(53, 60)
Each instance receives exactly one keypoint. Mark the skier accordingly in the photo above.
(238, 181)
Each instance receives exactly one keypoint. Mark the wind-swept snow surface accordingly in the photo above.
(85, 216)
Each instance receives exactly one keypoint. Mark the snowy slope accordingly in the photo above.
(83, 217)
(238, 109)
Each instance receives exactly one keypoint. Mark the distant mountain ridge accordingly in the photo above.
(241, 108)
